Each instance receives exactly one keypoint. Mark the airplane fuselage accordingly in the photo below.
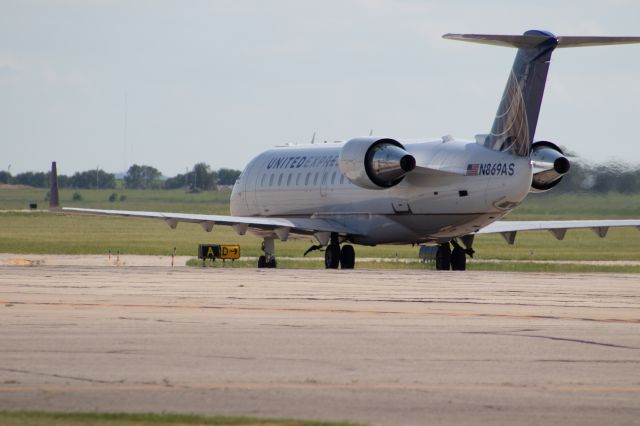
(306, 181)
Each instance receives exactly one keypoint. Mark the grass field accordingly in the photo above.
(42, 232)
(8, 418)
(212, 202)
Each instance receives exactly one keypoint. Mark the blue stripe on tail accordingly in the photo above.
(515, 123)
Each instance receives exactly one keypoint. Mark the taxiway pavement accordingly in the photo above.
(382, 347)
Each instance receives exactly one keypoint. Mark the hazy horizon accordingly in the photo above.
(615, 164)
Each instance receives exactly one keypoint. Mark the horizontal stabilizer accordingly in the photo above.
(519, 41)
(570, 41)
(533, 40)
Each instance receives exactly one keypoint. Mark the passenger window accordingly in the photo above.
(271, 179)
(306, 181)
(333, 178)
(289, 179)
(315, 179)
(262, 180)
(298, 179)
(280, 180)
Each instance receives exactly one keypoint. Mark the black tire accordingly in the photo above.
(458, 259)
(347, 257)
(443, 257)
(272, 263)
(332, 256)
(262, 262)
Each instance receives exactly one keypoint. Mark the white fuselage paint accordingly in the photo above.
(305, 181)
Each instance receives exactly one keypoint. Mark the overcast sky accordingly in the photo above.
(172, 83)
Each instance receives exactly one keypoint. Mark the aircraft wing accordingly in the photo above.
(281, 227)
(558, 228)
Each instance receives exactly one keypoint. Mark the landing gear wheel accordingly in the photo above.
(458, 259)
(332, 256)
(262, 262)
(272, 263)
(443, 257)
(347, 257)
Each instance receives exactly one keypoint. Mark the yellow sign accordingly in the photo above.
(218, 251)
(230, 252)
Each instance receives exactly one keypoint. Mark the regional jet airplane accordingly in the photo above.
(381, 190)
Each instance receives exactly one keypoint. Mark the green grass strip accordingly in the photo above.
(38, 418)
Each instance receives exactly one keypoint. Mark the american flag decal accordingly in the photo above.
(472, 169)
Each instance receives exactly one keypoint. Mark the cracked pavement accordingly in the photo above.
(383, 347)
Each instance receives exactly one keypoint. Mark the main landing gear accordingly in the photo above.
(334, 256)
(456, 259)
(345, 257)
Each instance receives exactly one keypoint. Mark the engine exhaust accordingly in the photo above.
(388, 163)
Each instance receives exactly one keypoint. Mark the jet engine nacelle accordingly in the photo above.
(375, 163)
(549, 165)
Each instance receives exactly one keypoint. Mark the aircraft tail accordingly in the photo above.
(514, 127)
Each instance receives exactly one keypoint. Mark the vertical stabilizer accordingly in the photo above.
(515, 123)
(54, 198)
(514, 127)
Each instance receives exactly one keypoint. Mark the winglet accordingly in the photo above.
(54, 197)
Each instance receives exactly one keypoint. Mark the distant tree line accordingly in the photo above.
(200, 178)
(89, 179)
(599, 178)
